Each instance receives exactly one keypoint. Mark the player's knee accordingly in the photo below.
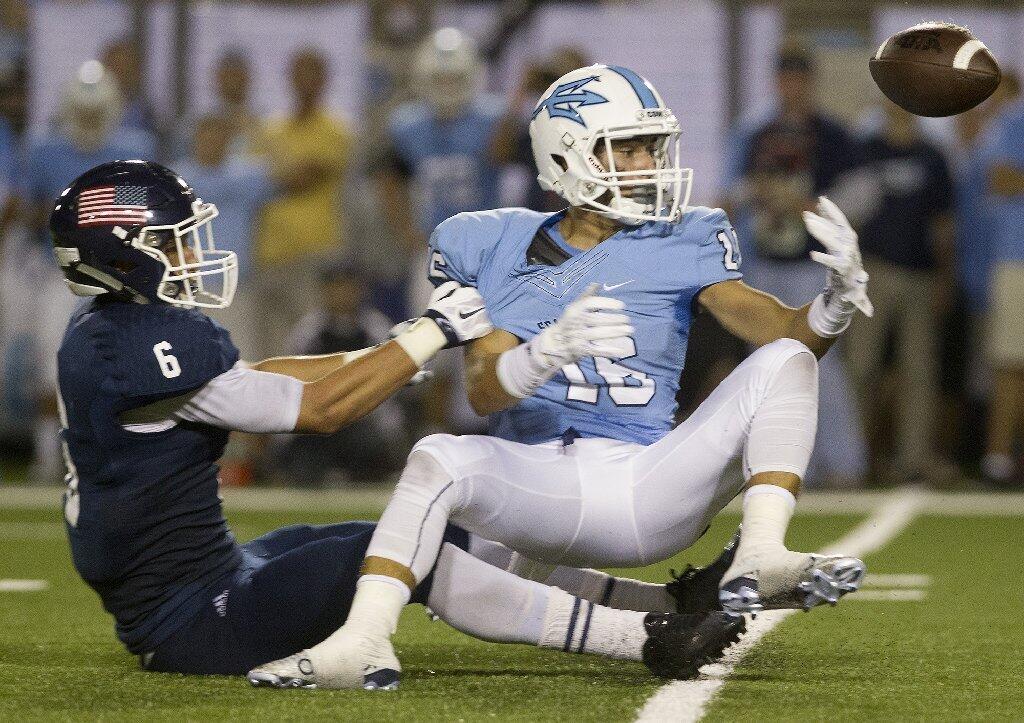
(424, 477)
(785, 364)
(789, 357)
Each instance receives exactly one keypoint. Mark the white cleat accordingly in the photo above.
(789, 580)
(340, 662)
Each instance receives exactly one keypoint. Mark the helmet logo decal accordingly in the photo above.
(566, 99)
(112, 205)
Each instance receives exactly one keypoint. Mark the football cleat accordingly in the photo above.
(792, 580)
(369, 667)
(695, 590)
(678, 645)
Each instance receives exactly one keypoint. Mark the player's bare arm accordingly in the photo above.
(486, 395)
(340, 388)
(759, 318)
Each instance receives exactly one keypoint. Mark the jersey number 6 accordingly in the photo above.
(168, 362)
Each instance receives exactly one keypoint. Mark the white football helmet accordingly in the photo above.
(446, 69)
(600, 104)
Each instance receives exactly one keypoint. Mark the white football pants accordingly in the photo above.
(602, 502)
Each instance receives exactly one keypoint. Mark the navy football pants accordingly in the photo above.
(294, 588)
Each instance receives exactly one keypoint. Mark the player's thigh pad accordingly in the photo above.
(678, 481)
(569, 505)
(516, 494)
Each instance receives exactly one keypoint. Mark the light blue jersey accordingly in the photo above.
(657, 269)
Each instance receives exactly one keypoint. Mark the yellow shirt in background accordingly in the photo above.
(306, 221)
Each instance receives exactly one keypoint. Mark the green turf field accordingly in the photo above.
(953, 655)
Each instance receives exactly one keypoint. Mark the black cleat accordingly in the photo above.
(696, 589)
(678, 645)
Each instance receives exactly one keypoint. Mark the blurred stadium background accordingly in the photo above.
(334, 135)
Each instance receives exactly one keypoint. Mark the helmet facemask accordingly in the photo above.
(204, 276)
(635, 197)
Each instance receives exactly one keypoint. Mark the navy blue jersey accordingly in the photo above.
(657, 269)
(143, 515)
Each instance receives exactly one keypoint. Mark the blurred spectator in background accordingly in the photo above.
(968, 382)
(787, 162)
(232, 83)
(14, 27)
(33, 297)
(435, 163)
(511, 144)
(397, 27)
(124, 61)
(239, 187)
(344, 320)
(906, 235)
(308, 152)
(88, 132)
(1005, 176)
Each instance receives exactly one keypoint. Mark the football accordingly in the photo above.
(935, 69)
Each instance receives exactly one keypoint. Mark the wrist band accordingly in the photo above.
(421, 341)
(829, 319)
(521, 372)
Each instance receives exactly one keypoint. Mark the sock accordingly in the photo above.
(377, 604)
(767, 510)
(524, 567)
(486, 602)
(621, 593)
(574, 625)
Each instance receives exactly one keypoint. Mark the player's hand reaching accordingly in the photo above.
(847, 278)
(589, 326)
(459, 313)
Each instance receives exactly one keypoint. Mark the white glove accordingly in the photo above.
(587, 327)
(455, 315)
(847, 280)
(459, 313)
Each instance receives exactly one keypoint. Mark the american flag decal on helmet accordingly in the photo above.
(112, 205)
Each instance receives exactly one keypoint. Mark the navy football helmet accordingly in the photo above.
(137, 230)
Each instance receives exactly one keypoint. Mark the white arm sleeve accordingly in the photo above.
(246, 400)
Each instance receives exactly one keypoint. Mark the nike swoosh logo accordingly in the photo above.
(467, 314)
(607, 287)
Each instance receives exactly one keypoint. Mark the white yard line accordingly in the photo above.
(889, 595)
(686, 700)
(23, 585)
(883, 580)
